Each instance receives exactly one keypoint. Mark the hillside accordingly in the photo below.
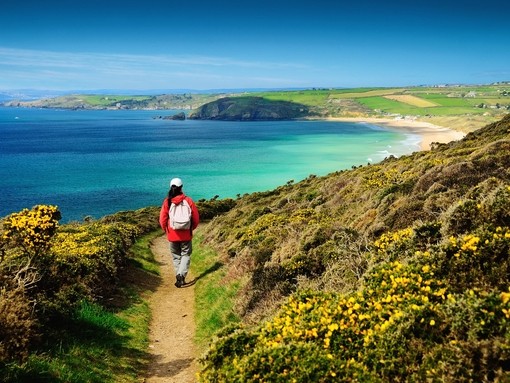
(248, 108)
(102, 101)
(398, 271)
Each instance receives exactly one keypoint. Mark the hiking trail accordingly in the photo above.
(172, 329)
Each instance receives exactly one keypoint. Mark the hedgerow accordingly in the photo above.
(48, 270)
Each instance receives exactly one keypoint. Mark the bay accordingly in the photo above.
(97, 162)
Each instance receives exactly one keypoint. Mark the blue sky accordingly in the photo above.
(167, 44)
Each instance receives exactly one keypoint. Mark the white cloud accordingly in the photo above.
(56, 69)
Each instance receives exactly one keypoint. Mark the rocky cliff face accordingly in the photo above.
(249, 109)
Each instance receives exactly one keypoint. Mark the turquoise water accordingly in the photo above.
(93, 163)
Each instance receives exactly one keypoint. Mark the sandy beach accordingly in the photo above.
(428, 132)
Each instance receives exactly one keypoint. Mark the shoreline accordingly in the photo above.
(427, 132)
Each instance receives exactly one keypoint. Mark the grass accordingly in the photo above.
(142, 255)
(97, 346)
(389, 106)
(214, 296)
(368, 93)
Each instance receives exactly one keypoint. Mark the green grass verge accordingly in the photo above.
(214, 296)
(141, 254)
(97, 346)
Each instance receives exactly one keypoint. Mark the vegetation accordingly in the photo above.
(391, 272)
(249, 108)
(397, 271)
(63, 299)
(213, 293)
(76, 292)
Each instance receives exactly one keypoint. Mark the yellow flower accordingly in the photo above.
(505, 297)
(432, 322)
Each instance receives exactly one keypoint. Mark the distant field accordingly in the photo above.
(412, 100)
(368, 93)
(386, 105)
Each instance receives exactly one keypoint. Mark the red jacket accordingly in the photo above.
(178, 235)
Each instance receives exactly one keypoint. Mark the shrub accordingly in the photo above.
(211, 208)
(31, 230)
(18, 327)
(393, 329)
(479, 259)
(57, 267)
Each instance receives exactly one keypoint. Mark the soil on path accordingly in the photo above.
(172, 331)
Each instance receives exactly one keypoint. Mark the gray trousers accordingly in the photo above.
(181, 254)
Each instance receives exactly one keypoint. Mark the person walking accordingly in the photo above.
(178, 218)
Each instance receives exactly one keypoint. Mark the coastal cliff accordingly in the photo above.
(249, 109)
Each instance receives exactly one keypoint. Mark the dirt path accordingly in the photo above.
(172, 328)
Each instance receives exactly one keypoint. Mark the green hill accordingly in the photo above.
(398, 271)
(247, 108)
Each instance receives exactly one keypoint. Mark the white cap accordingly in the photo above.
(176, 182)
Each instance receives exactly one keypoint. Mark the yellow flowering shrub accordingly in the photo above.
(393, 245)
(267, 224)
(31, 229)
(431, 303)
(24, 239)
(86, 259)
(382, 333)
(48, 270)
(379, 177)
(479, 259)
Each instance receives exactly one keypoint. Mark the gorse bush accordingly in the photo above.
(48, 270)
(84, 261)
(24, 242)
(408, 322)
(211, 208)
(392, 272)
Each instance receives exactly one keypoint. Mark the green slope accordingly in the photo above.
(398, 271)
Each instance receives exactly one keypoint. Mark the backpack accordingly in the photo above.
(180, 215)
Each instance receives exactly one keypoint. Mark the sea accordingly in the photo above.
(92, 163)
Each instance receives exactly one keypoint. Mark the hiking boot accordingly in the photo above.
(180, 280)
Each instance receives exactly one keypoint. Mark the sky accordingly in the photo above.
(238, 44)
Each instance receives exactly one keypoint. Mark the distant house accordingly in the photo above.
(471, 94)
